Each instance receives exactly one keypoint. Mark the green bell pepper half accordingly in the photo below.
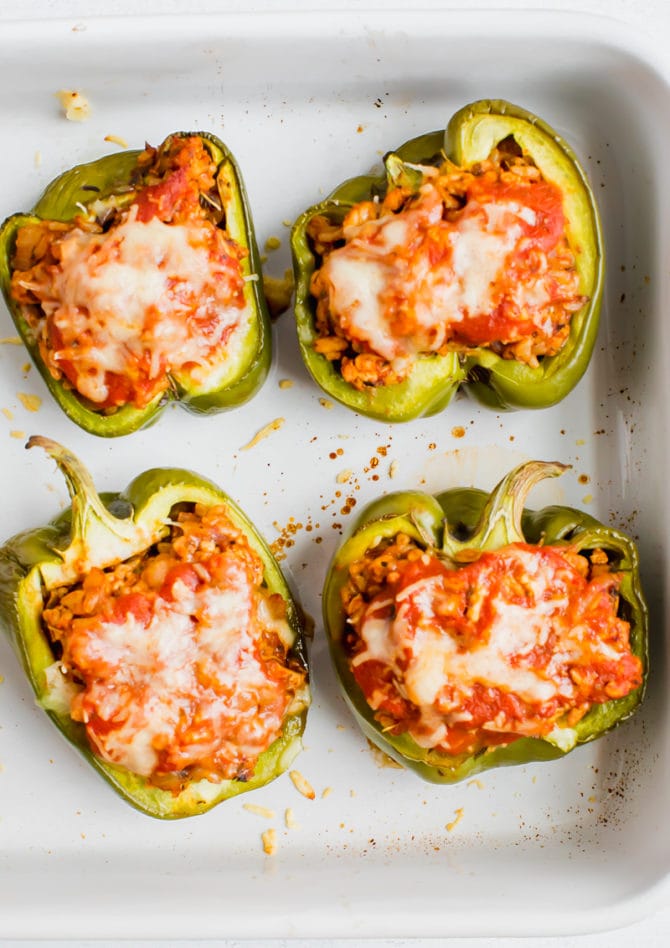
(98, 531)
(108, 178)
(453, 524)
(471, 135)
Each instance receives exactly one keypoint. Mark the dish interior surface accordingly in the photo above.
(304, 103)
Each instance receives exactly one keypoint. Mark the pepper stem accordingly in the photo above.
(87, 506)
(500, 521)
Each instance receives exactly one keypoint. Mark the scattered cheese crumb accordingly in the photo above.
(475, 783)
(287, 223)
(290, 820)
(11, 341)
(302, 785)
(286, 383)
(77, 108)
(38, 158)
(272, 243)
(269, 838)
(116, 140)
(326, 403)
(259, 810)
(587, 499)
(344, 476)
(18, 434)
(592, 799)
(454, 823)
(393, 468)
(352, 793)
(30, 402)
(8, 413)
(326, 793)
(2, 678)
(263, 433)
(26, 367)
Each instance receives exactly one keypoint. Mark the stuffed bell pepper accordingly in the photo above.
(469, 632)
(159, 634)
(476, 260)
(136, 280)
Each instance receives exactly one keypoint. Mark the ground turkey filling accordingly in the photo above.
(139, 288)
(476, 257)
(179, 658)
(503, 647)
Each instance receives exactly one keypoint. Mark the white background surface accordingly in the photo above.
(651, 16)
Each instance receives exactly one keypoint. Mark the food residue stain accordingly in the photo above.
(30, 402)
(286, 540)
(454, 823)
(458, 431)
(326, 403)
(381, 758)
(264, 433)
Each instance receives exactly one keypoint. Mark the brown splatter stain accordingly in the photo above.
(287, 534)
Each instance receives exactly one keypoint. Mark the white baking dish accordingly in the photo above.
(304, 102)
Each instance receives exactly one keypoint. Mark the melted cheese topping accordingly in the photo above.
(414, 280)
(503, 645)
(205, 635)
(149, 294)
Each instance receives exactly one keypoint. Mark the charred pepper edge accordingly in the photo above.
(25, 557)
(496, 382)
(460, 512)
(60, 202)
